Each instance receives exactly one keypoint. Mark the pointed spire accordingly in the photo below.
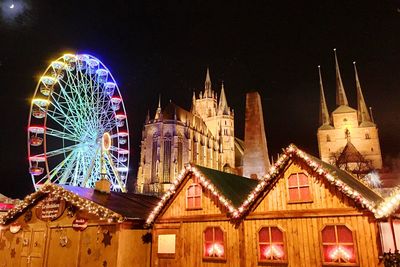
(207, 85)
(323, 113)
(341, 98)
(158, 111)
(223, 104)
(193, 109)
(363, 115)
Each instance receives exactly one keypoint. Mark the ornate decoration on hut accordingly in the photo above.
(106, 238)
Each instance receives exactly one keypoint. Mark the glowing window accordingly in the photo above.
(193, 197)
(271, 245)
(338, 245)
(214, 243)
(299, 188)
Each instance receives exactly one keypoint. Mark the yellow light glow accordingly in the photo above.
(106, 141)
(41, 102)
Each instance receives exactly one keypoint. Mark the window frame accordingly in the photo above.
(165, 231)
(214, 259)
(194, 184)
(298, 186)
(324, 263)
(260, 261)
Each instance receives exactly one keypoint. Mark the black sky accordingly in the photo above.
(164, 48)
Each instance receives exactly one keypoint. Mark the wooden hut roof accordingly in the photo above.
(115, 206)
(230, 189)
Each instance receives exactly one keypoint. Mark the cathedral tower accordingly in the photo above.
(349, 137)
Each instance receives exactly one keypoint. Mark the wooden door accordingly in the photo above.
(33, 246)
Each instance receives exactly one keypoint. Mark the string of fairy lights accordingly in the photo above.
(380, 210)
(82, 204)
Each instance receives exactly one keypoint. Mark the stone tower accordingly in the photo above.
(255, 159)
(219, 119)
(348, 137)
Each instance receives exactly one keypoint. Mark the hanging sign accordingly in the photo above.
(15, 227)
(50, 208)
(79, 224)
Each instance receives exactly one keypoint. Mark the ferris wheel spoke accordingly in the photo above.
(61, 135)
(56, 152)
(90, 169)
(117, 176)
(57, 106)
(59, 121)
(59, 168)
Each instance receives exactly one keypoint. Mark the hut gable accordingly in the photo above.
(221, 193)
(297, 190)
(328, 187)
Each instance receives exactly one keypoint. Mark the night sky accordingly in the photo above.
(164, 48)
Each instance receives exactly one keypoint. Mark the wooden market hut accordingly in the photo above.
(304, 212)
(74, 226)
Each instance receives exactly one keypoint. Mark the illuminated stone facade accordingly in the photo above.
(204, 136)
(348, 130)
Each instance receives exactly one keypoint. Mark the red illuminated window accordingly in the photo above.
(299, 188)
(338, 245)
(193, 197)
(271, 246)
(214, 243)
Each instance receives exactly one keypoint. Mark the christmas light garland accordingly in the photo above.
(380, 210)
(74, 199)
(206, 183)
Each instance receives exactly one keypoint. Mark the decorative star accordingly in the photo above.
(105, 263)
(2, 244)
(89, 251)
(106, 238)
(12, 253)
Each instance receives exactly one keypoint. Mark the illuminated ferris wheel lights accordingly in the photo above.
(102, 75)
(37, 158)
(41, 102)
(35, 140)
(38, 113)
(58, 65)
(109, 88)
(48, 80)
(75, 104)
(36, 129)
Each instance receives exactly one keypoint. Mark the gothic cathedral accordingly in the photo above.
(349, 137)
(203, 136)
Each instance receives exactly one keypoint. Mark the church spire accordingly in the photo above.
(324, 114)
(207, 85)
(158, 111)
(341, 98)
(363, 115)
(223, 104)
(193, 109)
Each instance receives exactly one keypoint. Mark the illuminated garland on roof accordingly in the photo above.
(172, 190)
(380, 210)
(74, 199)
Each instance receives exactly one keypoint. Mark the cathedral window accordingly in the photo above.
(193, 197)
(328, 138)
(299, 188)
(338, 245)
(271, 246)
(367, 136)
(154, 150)
(167, 159)
(195, 144)
(180, 156)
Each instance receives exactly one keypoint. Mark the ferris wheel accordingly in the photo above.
(78, 129)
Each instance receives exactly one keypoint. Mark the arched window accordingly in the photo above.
(154, 157)
(214, 243)
(338, 245)
(167, 159)
(367, 136)
(271, 246)
(328, 138)
(180, 156)
(299, 188)
(193, 197)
